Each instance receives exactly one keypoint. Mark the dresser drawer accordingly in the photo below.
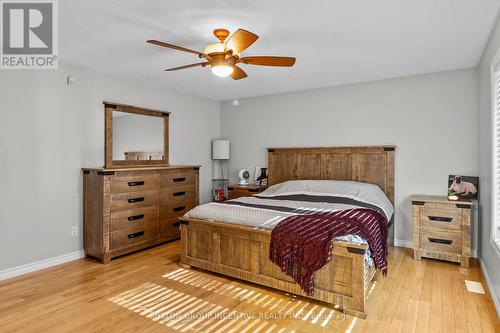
(176, 209)
(178, 194)
(131, 236)
(125, 201)
(170, 228)
(135, 183)
(441, 241)
(134, 217)
(448, 219)
(169, 178)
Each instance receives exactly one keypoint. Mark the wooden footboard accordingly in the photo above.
(242, 252)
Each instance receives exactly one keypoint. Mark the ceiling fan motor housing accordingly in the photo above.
(221, 34)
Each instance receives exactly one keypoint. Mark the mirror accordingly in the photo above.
(135, 136)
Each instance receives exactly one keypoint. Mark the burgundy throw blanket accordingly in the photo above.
(302, 244)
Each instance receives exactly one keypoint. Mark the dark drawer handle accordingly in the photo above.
(254, 190)
(176, 224)
(136, 183)
(177, 194)
(180, 179)
(178, 209)
(136, 234)
(136, 217)
(134, 200)
(440, 241)
(440, 219)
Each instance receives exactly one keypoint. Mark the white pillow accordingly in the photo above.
(365, 192)
(344, 188)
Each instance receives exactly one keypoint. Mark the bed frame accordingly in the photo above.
(243, 252)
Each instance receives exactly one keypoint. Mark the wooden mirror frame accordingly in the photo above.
(109, 163)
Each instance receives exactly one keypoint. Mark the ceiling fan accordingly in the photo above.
(225, 55)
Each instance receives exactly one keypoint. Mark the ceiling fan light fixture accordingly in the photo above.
(222, 70)
(214, 48)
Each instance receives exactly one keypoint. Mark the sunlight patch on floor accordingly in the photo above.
(374, 284)
(182, 312)
(287, 305)
(474, 287)
(351, 326)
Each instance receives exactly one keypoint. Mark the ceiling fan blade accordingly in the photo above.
(268, 61)
(175, 47)
(187, 66)
(240, 41)
(238, 73)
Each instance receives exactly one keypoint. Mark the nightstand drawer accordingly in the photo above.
(447, 219)
(441, 241)
(238, 191)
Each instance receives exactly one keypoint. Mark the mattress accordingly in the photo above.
(270, 207)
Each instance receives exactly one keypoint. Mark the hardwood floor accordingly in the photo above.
(150, 292)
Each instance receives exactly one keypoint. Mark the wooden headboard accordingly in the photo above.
(373, 165)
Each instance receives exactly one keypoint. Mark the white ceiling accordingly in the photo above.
(335, 41)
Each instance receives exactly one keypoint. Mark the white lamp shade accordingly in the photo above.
(220, 149)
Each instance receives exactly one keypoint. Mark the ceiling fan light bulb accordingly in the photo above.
(215, 48)
(222, 70)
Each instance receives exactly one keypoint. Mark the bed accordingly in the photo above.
(241, 250)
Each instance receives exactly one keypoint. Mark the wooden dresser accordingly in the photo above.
(441, 228)
(125, 210)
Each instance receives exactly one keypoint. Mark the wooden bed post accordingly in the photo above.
(355, 305)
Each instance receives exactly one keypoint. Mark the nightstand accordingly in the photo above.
(441, 228)
(236, 191)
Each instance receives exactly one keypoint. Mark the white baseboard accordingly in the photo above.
(38, 265)
(490, 287)
(409, 244)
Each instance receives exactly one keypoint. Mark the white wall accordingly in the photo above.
(49, 130)
(431, 118)
(490, 258)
